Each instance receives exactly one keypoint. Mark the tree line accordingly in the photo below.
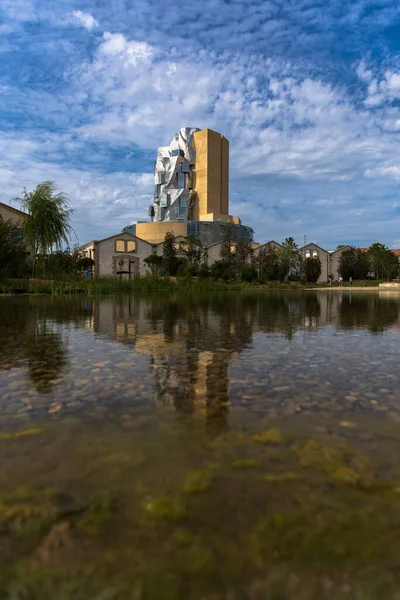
(46, 231)
(237, 260)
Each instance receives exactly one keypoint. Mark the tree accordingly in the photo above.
(170, 259)
(193, 250)
(243, 251)
(383, 263)
(267, 263)
(155, 262)
(13, 253)
(227, 266)
(312, 269)
(66, 263)
(290, 259)
(48, 223)
(353, 263)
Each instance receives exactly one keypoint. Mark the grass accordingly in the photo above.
(105, 286)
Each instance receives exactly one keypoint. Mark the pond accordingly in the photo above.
(186, 447)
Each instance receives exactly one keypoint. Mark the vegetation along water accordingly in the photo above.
(200, 446)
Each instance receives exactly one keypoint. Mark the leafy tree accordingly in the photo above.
(267, 263)
(65, 263)
(170, 259)
(290, 259)
(312, 269)
(155, 262)
(204, 271)
(193, 250)
(48, 223)
(228, 247)
(353, 263)
(248, 272)
(221, 270)
(383, 262)
(13, 254)
(243, 251)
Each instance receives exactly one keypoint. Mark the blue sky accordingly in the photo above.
(308, 93)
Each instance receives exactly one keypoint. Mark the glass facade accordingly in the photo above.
(210, 232)
(181, 180)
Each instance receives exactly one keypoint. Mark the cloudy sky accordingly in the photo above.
(307, 92)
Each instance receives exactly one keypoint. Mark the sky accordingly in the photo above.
(307, 92)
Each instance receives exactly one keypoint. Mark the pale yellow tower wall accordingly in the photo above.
(155, 232)
(211, 175)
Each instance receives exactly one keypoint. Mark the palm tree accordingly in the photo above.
(48, 222)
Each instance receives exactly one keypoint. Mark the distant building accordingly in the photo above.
(15, 217)
(329, 259)
(191, 190)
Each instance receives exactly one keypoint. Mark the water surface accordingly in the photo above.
(225, 446)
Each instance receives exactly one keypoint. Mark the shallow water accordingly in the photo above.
(200, 447)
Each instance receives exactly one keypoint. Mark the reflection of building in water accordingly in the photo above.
(189, 351)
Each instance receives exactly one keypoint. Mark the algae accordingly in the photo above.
(21, 433)
(198, 481)
(271, 436)
(246, 463)
(282, 477)
(170, 508)
(97, 514)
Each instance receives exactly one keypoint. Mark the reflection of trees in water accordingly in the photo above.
(29, 335)
(368, 312)
(286, 313)
(46, 354)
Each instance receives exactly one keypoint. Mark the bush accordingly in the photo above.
(248, 273)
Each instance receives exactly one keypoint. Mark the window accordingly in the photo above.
(160, 177)
(125, 246)
(185, 167)
(181, 212)
(308, 254)
(233, 249)
(314, 254)
(177, 152)
(16, 234)
(181, 180)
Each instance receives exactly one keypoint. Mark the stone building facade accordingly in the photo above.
(119, 255)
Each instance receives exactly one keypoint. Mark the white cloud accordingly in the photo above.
(85, 19)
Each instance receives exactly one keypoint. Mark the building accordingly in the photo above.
(329, 260)
(191, 190)
(15, 217)
(122, 254)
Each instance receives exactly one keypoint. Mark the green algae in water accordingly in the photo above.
(282, 477)
(169, 508)
(197, 482)
(97, 514)
(247, 463)
(271, 436)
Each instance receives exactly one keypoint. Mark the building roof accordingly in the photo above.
(14, 210)
(395, 251)
(313, 244)
(339, 249)
(116, 235)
